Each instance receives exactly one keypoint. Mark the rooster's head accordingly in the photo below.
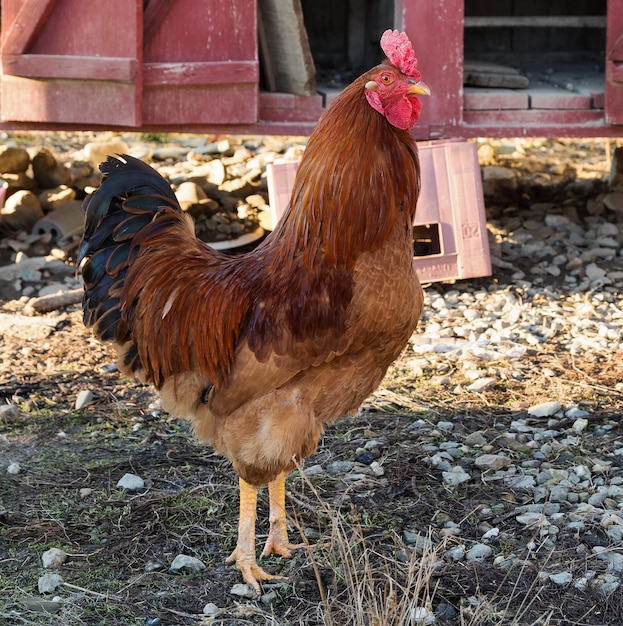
(392, 87)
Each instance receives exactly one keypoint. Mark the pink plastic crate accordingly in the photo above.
(450, 230)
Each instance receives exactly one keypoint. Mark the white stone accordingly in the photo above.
(49, 583)
(580, 424)
(131, 482)
(14, 468)
(83, 399)
(456, 476)
(191, 564)
(421, 616)
(482, 384)
(242, 591)
(562, 578)
(479, 552)
(210, 609)
(54, 557)
(545, 409)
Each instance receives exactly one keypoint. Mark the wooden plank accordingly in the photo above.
(27, 23)
(439, 49)
(531, 122)
(288, 47)
(536, 21)
(106, 103)
(202, 73)
(79, 66)
(558, 99)
(200, 65)
(494, 99)
(200, 104)
(76, 67)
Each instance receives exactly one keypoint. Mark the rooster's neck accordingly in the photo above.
(358, 179)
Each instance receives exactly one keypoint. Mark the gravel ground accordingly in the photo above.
(489, 463)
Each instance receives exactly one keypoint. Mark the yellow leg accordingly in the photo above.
(244, 554)
(277, 541)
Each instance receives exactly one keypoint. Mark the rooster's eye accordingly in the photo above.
(386, 79)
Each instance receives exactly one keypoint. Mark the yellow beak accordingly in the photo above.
(419, 88)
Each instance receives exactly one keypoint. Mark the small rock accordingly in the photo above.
(609, 583)
(337, 468)
(421, 616)
(210, 609)
(561, 579)
(492, 533)
(614, 559)
(14, 468)
(475, 439)
(13, 160)
(154, 566)
(594, 272)
(242, 591)
(269, 597)
(48, 583)
(83, 399)
(479, 552)
(544, 409)
(54, 198)
(492, 461)
(531, 519)
(455, 476)
(190, 564)
(313, 470)
(22, 210)
(97, 151)
(482, 384)
(457, 553)
(131, 482)
(47, 171)
(580, 424)
(377, 469)
(54, 557)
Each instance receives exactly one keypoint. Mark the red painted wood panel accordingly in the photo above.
(436, 29)
(200, 62)
(64, 61)
(494, 99)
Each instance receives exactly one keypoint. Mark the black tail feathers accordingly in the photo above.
(131, 195)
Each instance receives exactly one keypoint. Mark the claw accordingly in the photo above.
(278, 543)
(251, 572)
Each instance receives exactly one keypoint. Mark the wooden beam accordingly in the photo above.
(200, 73)
(72, 67)
(536, 21)
(288, 47)
(26, 25)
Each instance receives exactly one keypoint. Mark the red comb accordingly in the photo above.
(399, 51)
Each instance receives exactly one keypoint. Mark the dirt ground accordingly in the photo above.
(360, 570)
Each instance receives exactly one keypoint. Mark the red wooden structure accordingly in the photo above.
(194, 65)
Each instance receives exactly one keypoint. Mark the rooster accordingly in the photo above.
(260, 351)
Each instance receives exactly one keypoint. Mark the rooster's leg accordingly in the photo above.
(244, 554)
(277, 541)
